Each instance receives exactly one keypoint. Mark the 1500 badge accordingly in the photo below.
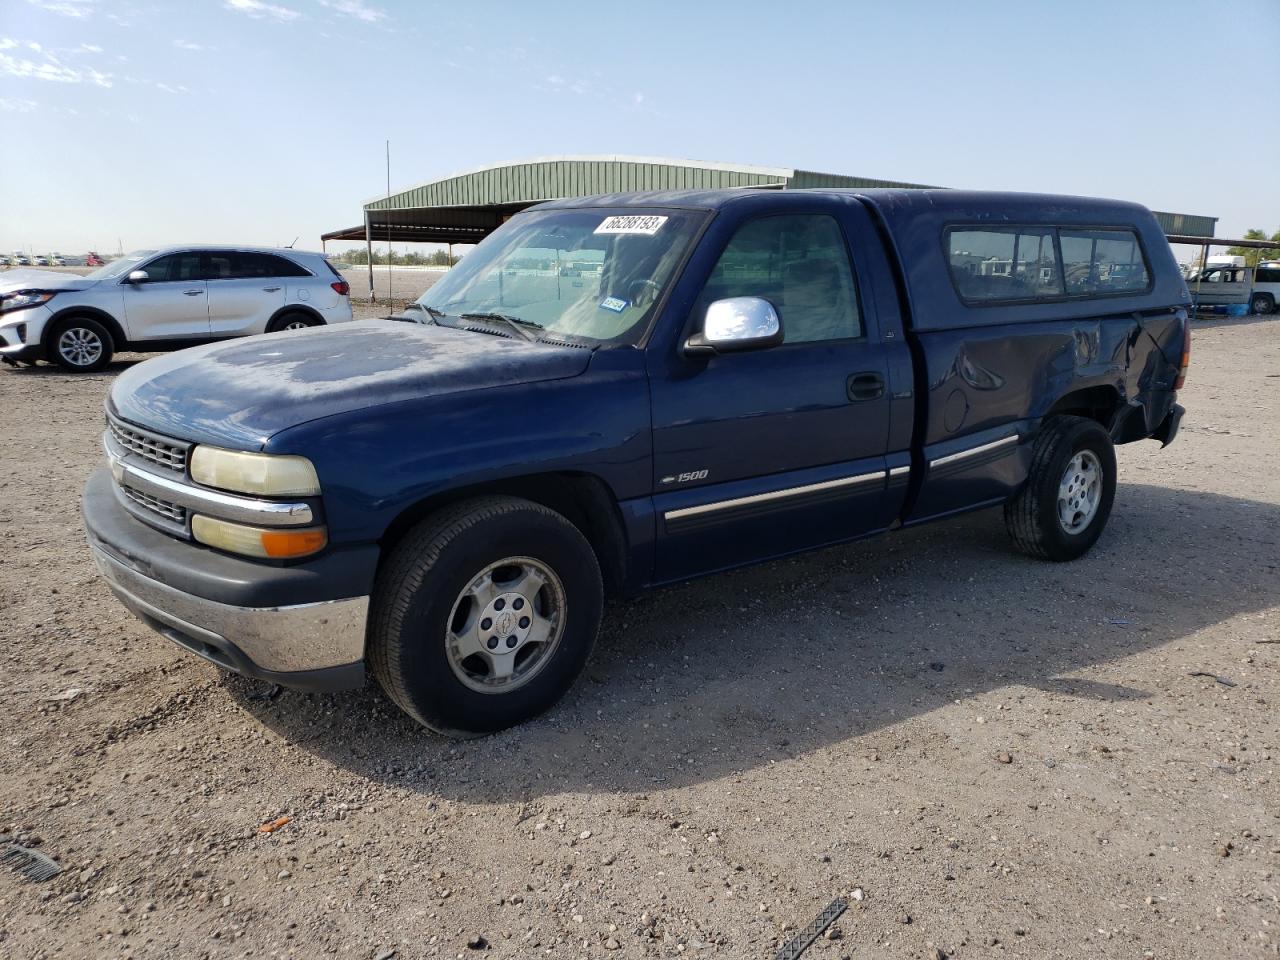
(687, 477)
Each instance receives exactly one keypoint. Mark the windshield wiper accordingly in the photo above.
(432, 312)
(518, 324)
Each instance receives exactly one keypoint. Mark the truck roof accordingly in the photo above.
(1036, 206)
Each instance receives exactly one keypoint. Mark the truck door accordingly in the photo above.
(762, 453)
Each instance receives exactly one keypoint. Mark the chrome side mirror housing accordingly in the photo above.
(736, 324)
(138, 276)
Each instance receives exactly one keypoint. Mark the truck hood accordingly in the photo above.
(12, 280)
(239, 393)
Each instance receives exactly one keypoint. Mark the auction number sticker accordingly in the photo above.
(647, 226)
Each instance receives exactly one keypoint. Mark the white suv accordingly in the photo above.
(164, 300)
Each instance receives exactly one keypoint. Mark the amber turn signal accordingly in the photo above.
(267, 543)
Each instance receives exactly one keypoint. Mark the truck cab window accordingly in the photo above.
(799, 264)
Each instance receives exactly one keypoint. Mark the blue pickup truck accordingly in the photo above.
(614, 393)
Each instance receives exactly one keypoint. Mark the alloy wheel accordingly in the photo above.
(1079, 492)
(79, 346)
(505, 625)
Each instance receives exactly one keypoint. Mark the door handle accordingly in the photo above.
(270, 289)
(192, 293)
(865, 386)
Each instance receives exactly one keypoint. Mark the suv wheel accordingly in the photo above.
(1262, 303)
(1063, 507)
(484, 614)
(292, 321)
(81, 345)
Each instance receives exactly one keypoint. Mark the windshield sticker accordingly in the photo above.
(647, 226)
(616, 304)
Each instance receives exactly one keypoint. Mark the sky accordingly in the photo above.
(135, 124)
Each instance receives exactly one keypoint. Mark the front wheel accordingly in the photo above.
(1063, 507)
(81, 345)
(484, 614)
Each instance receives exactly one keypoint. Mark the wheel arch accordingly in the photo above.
(1099, 403)
(311, 313)
(583, 499)
(119, 340)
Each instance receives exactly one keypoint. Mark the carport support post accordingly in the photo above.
(368, 246)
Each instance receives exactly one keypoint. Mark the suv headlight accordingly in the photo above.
(25, 298)
(260, 474)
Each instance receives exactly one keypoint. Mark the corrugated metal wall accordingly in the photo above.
(836, 181)
(1186, 224)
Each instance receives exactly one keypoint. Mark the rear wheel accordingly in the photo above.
(1063, 507)
(81, 345)
(484, 614)
(1263, 303)
(292, 321)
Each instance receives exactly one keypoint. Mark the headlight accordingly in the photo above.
(261, 474)
(264, 542)
(24, 299)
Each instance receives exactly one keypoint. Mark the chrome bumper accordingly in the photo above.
(313, 646)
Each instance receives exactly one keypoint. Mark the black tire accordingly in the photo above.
(418, 591)
(80, 345)
(293, 319)
(1262, 303)
(1032, 516)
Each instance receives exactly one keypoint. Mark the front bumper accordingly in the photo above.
(301, 626)
(21, 333)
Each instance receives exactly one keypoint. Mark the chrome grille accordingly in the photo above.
(165, 508)
(162, 451)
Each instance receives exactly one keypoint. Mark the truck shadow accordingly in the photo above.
(716, 677)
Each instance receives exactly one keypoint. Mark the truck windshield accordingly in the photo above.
(590, 274)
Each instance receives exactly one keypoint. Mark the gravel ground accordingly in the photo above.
(994, 756)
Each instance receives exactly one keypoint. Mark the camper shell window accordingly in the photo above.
(1038, 263)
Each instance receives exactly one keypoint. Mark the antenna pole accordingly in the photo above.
(390, 300)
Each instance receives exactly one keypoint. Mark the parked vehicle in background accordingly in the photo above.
(93, 260)
(1266, 288)
(56, 261)
(4, 261)
(1227, 281)
(39, 261)
(748, 374)
(20, 260)
(163, 300)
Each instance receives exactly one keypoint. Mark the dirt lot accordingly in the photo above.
(1006, 757)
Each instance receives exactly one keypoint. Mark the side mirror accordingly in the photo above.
(736, 324)
(138, 276)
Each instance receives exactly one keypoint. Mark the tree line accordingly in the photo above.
(436, 258)
(1252, 256)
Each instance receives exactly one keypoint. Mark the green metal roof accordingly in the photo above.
(551, 178)
(468, 206)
